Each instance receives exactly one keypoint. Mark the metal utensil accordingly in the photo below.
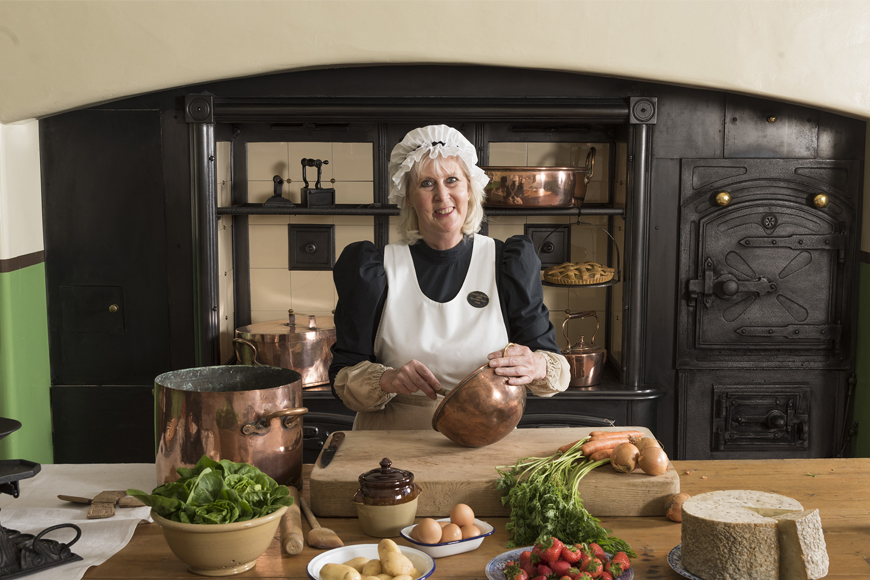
(329, 451)
(520, 187)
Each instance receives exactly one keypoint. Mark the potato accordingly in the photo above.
(387, 545)
(371, 568)
(357, 563)
(339, 572)
(415, 573)
(396, 564)
(370, 578)
(403, 577)
(384, 576)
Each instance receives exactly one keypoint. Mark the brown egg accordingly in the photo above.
(450, 533)
(461, 515)
(428, 531)
(470, 532)
(444, 523)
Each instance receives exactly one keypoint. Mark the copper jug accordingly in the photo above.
(586, 360)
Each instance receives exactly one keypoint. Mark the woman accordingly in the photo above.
(429, 309)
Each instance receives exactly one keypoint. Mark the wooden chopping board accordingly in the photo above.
(449, 473)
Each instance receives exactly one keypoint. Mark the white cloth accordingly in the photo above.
(452, 338)
(431, 141)
(38, 507)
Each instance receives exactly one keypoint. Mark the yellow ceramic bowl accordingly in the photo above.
(386, 521)
(220, 549)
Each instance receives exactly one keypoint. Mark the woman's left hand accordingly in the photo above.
(519, 363)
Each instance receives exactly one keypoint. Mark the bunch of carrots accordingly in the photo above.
(600, 444)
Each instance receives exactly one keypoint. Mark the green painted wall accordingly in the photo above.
(25, 376)
(861, 446)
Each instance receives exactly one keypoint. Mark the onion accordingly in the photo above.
(674, 506)
(653, 460)
(624, 457)
(644, 442)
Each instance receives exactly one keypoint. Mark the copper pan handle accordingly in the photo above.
(237, 342)
(262, 425)
(590, 164)
(584, 314)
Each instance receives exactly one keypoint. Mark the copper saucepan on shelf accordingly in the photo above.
(521, 187)
(482, 409)
(302, 342)
(586, 360)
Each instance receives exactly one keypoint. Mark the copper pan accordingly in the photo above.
(241, 413)
(520, 187)
(482, 409)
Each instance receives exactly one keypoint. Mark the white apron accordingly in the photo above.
(452, 338)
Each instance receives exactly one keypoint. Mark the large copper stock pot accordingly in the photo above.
(241, 413)
(301, 343)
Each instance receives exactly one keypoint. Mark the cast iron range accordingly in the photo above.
(23, 554)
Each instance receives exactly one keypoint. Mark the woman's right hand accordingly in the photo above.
(412, 377)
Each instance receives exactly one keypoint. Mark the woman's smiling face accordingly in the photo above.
(439, 194)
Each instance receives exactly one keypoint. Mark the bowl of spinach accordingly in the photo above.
(219, 516)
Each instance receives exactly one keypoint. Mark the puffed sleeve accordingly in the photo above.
(527, 316)
(361, 283)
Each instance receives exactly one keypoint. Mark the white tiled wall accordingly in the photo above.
(275, 289)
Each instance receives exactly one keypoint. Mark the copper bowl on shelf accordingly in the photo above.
(482, 409)
(523, 187)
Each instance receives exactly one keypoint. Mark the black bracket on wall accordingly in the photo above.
(199, 109)
(642, 110)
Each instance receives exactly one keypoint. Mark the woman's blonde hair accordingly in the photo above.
(409, 229)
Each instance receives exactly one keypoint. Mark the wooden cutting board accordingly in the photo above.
(449, 473)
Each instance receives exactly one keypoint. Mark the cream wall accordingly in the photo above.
(58, 55)
(20, 190)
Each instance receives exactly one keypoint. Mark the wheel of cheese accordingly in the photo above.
(732, 535)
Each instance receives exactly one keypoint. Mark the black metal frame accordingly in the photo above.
(564, 116)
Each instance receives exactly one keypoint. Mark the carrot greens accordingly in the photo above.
(543, 498)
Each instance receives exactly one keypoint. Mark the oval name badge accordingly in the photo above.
(478, 299)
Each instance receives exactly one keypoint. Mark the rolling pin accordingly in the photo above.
(291, 526)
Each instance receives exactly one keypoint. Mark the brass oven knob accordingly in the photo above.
(113, 308)
(821, 201)
(723, 198)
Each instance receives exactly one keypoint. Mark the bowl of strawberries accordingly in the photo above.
(550, 558)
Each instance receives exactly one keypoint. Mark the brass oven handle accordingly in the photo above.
(581, 315)
(264, 424)
(252, 346)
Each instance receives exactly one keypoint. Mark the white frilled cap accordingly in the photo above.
(431, 142)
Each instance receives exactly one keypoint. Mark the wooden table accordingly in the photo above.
(839, 488)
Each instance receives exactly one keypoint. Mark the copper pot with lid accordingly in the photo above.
(586, 360)
(302, 342)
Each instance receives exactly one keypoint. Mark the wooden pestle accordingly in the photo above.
(291, 526)
(318, 537)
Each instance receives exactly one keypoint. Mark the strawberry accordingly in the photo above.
(551, 548)
(583, 576)
(573, 572)
(528, 562)
(598, 552)
(560, 567)
(606, 575)
(595, 568)
(540, 578)
(512, 571)
(566, 577)
(544, 570)
(622, 559)
(570, 554)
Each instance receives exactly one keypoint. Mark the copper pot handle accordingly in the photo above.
(262, 425)
(581, 315)
(590, 164)
(251, 345)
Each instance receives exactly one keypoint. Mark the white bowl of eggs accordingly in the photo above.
(459, 533)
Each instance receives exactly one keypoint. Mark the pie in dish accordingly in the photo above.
(577, 273)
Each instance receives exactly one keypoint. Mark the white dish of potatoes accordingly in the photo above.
(349, 563)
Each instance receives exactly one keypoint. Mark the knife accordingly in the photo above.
(329, 451)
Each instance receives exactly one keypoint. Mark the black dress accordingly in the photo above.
(362, 290)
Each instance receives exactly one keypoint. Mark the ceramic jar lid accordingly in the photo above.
(386, 486)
